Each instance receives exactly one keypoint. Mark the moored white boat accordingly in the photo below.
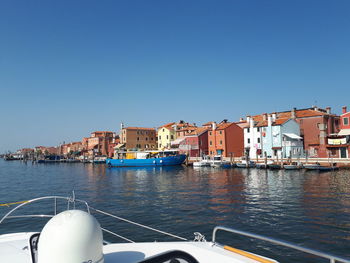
(205, 162)
(75, 236)
(218, 162)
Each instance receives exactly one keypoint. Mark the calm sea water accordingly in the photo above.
(308, 208)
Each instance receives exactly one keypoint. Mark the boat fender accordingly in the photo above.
(72, 236)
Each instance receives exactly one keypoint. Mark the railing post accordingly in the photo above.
(55, 206)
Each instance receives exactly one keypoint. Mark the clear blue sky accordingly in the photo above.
(68, 68)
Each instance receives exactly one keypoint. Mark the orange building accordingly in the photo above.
(98, 143)
(226, 139)
(138, 138)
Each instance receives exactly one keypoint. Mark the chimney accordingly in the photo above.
(122, 126)
(328, 110)
(213, 125)
(241, 119)
(269, 120)
(224, 121)
(274, 115)
(248, 118)
(315, 108)
(344, 109)
(293, 113)
(265, 116)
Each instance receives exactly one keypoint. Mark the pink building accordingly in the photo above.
(338, 145)
(195, 143)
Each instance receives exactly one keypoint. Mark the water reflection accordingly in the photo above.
(308, 208)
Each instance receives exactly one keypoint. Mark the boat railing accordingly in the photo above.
(71, 204)
(331, 258)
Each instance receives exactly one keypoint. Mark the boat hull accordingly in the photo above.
(163, 161)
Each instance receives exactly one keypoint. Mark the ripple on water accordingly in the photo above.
(307, 208)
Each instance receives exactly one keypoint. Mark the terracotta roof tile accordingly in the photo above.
(199, 131)
(168, 125)
(139, 128)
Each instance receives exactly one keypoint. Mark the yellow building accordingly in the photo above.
(166, 134)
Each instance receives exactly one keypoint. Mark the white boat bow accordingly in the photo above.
(75, 236)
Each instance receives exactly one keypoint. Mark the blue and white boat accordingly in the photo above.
(146, 159)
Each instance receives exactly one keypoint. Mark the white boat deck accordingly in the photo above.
(14, 248)
(204, 252)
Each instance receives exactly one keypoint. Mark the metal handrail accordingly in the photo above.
(137, 224)
(88, 208)
(68, 199)
(332, 258)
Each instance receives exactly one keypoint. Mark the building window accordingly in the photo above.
(220, 142)
(248, 130)
(209, 133)
(346, 121)
(138, 132)
(220, 132)
(151, 138)
(163, 130)
(138, 138)
(146, 138)
(167, 137)
(258, 140)
(248, 140)
(172, 137)
(160, 137)
(211, 143)
(258, 129)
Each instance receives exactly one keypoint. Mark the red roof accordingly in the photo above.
(139, 128)
(199, 131)
(168, 125)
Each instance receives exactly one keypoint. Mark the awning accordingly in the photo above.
(292, 136)
(344, 132)
(177, 141)
(119, 145)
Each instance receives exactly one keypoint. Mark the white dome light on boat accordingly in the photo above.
(70, 237)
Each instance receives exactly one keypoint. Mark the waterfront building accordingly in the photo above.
(44, 150)
(172, 134)
(281, 138)
(137, 138)
(184, 128)
(98, 143)
(315, 125)
(272, 137)
(166, 134)
(338, 145)
(195, 144)
(73, 148)
(226, 139)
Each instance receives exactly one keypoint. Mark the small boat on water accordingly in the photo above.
(75, 236)
(245, 164)
(293, 166)
(321, 168)
(328, 168)
(261, 165)
(147, 158)
(218, 162)
(313, 166)
(205, 162)
(274, 166)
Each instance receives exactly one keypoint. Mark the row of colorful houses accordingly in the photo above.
(309, 132)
